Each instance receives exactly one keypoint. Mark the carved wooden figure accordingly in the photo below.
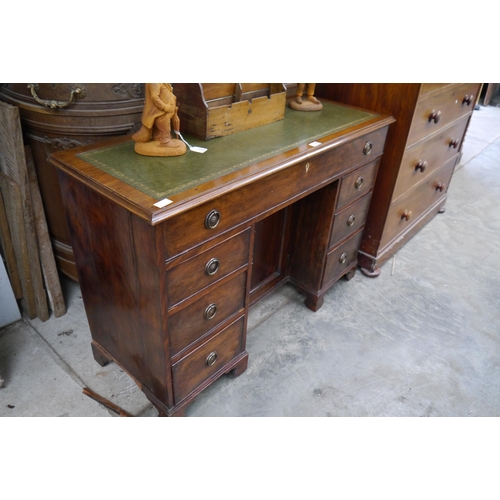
(309, 103)
(160, 112)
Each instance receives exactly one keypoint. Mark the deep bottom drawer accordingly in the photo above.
(407, 209)
(342, 257)
(208, 359)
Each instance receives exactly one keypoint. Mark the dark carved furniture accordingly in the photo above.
(171, 252)
(60, 116)
(421, 151)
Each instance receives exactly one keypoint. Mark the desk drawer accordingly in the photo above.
(357, 184)
(349, 220)
(408, 209)
(270, 193)
(426, 157)
(207, 268)
(436, 112)
(342, 257)
(208, 359)
(206, 313)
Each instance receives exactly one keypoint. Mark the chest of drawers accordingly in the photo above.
(422, 149)
(167, 289)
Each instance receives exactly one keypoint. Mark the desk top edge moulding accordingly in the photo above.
(171, 252)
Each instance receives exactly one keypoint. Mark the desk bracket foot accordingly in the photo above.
(99, 355)
(237, 370)
(314, 302)
(163, 411)
(181, 412)
(350, 275)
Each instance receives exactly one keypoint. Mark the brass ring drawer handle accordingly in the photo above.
(212, 267)
(468, 99)
(421, 165)
(440, 187)
(77, 92)
(210, 311)
(368, 148)
(343, 258)
(454, 144)
(406, 215)
(351, 220)
(211, 358)
(359, 182)
(212, 219)
(435, 116)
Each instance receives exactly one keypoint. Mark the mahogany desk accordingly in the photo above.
(167, 288)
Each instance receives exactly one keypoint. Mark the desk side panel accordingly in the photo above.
(119, 259)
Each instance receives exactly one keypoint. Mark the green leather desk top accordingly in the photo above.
(160, 177)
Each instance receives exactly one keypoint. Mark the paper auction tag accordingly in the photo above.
(163, 203)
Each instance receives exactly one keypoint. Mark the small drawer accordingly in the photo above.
(357, 184)
(349, 220)
(207, 268)
(206, 313)
(342, 257)
(406, 211)
(441, 109)
(207, 360)
(426, 157)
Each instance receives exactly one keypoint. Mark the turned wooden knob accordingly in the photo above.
(468, 99)
(406, 215)
(454, 143)
(435, 116)
(421, 165)
(440, 187)
(212, 219)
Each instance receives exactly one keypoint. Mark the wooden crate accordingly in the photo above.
(209, 110)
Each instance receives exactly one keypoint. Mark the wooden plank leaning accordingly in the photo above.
(7, 250)
(49, 268)
(15, 188)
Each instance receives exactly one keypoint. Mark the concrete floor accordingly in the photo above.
(423, 339)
